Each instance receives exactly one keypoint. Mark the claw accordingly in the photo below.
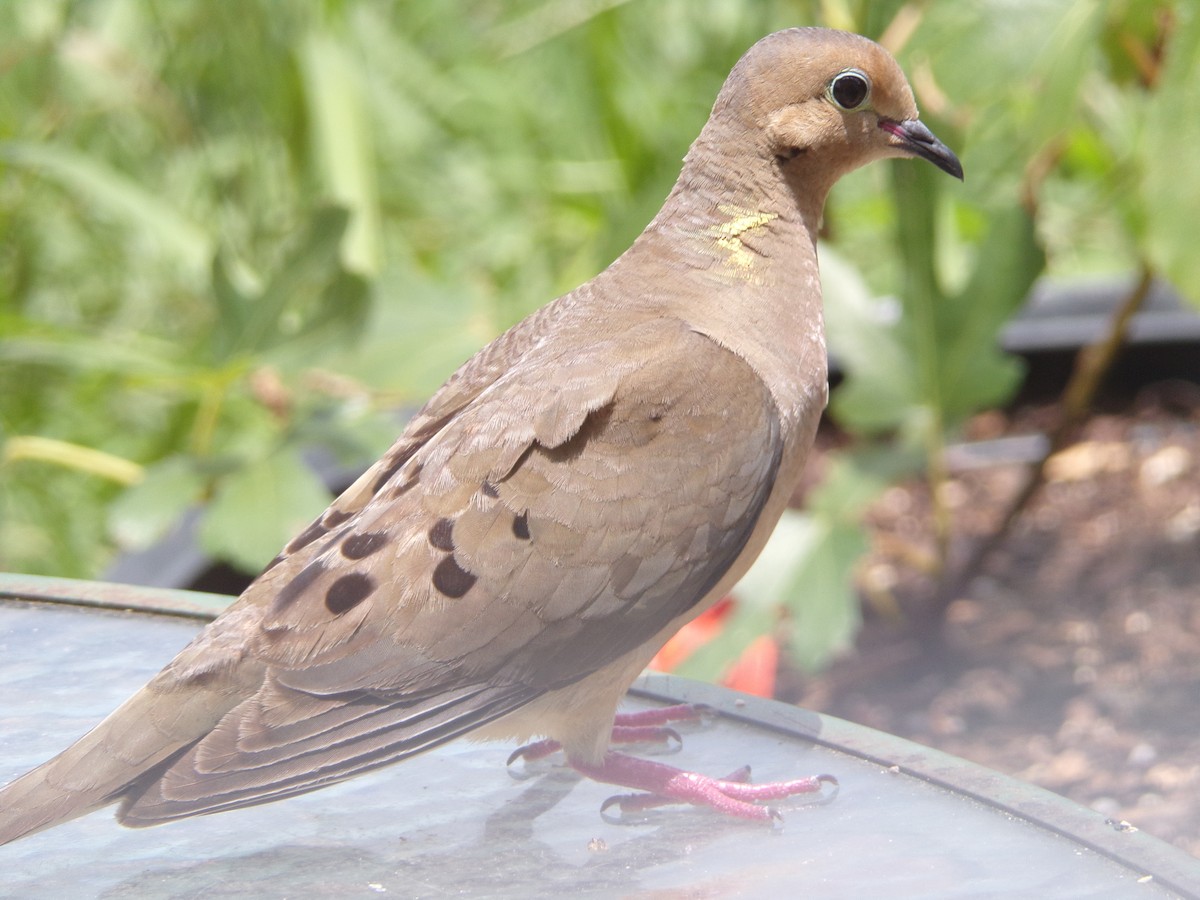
(664, 784)
(833, 783)
(630, 803)
(661, 785)
(531, 753)
(742, 774)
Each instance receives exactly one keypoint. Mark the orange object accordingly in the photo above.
(692, 636)
(752, 673)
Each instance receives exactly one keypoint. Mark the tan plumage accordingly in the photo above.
(584, 485)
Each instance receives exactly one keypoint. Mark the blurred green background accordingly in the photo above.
(235, 232)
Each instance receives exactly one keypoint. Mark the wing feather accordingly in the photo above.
(523, 553)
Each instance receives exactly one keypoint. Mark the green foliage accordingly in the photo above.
(232, 233)
(225, 223)
(937, 360)
(273, 324)
(1073, 146)
(801, 587)
(1169, 192)
(260, 507)
(147, 511)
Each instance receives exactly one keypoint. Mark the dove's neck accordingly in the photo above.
(721, 172)
(737, 216)
(733, 253)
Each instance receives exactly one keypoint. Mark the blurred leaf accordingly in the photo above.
(819, 591)
(974, 371)
(1168, 152)
(309, 295)
(1010, 74)
(418, 331)
(260, 508)
(117, 195)
(821, 597)
(341, 309)
(147, 511)
(916, 189)
(807, 569)
(865, 337)
(941, 354)
(233, 310)
(140, 356)
(311, 260)
(739, 630)
(341, 134)
(1068, 52)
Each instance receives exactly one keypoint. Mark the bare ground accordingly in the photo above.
(1073, 659)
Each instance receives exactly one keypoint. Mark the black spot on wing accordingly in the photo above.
(440, 535)
(410, 481)
(489, 490)
(412, 443)
(388, 471)
(291, 591)
(360, 546)
(306, 537)
(520, 526)
(451, 579)
(348, 591)
(336, 517)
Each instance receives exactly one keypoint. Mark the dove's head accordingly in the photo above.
(824, 102)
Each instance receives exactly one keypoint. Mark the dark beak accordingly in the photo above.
(920, 141)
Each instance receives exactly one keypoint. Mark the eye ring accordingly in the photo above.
(849, 89)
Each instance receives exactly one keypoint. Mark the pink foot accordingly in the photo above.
(666, 784)
(631, 803)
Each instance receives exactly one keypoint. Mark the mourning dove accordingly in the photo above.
(577, 491)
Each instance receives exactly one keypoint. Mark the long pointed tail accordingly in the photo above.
(35, 801)
(132, 744)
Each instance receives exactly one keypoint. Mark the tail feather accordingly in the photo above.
(31, 804)
(128, 748)
(167, 755)
(186, 786)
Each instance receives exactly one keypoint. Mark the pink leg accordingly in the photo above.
(666, 783)
(661, 715)
(646, 726)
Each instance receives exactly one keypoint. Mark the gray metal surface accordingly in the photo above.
(453, 823)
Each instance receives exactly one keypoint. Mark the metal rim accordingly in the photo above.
(1142, 854)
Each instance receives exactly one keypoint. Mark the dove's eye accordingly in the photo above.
(850, 89)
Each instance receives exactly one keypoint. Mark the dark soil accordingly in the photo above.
(1072, 659)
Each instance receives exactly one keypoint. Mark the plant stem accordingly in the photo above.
(937, 475)
(72, 456)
